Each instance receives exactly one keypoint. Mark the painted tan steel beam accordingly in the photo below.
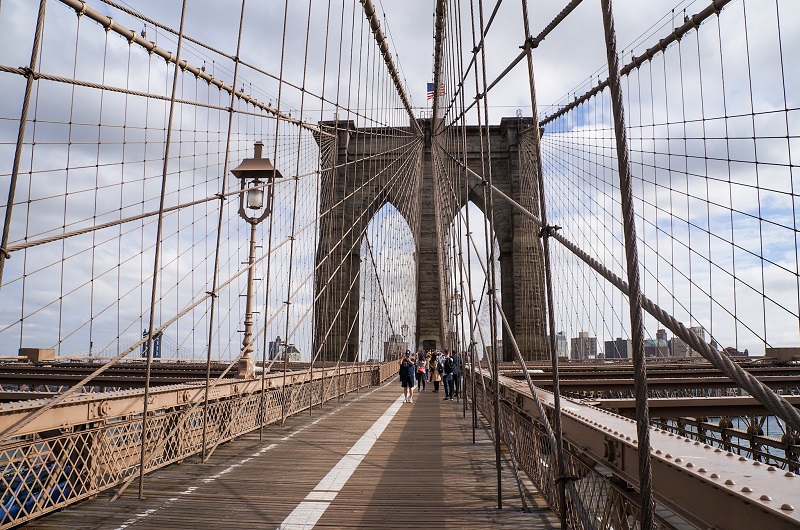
(706, 406)
(706, 486)
(80, 409)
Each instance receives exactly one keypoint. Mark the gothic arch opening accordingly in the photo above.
(388, 286)
(468, 281)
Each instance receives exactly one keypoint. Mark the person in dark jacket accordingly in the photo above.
(448, 366)
(407, 369)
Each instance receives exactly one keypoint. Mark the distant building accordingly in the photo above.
(561, 344)
(656, 348)
(678, 348)
(730, 351)
(275, 348)
(291, 352)
(583, 346)
(617, 349)
(488, 351)
(394, 348)
(661, 334)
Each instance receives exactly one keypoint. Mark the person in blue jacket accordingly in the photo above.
(407, 377)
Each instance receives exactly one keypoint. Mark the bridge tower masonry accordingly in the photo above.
(354, 192)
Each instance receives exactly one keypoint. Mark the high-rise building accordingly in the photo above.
(656, 348)
(700, 332)
(274, 348)
(678, 348)
(617, 349)
(583, 346)
(561, 344)
(488, 351)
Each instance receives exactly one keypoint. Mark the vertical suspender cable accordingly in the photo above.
(490, 260)
(632, 262)
(215, 278)
(294, 206)
(561, 476)
(23, 121)
(157, 252)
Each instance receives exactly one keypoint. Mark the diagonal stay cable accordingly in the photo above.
(775, 403)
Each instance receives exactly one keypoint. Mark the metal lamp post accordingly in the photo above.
(455, 302)
(256, 176)
(404, 332)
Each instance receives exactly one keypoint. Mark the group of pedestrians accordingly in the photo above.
(429, 367)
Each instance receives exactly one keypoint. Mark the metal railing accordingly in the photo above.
(49, 469)
(607, 501)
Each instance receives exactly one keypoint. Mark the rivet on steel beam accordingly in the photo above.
(658, 451)
(742, 459)
(788, 507)
(730, 482)
(671, 434)
(714, 475)
(729, 454)
(789, 474)
(756, 463)
(706, 446)
(667, 455)
(697, 443)
(678, 460)
(717, 450)
(702, 470)
(688, 440)
(765, 498)
(747, 489)
(772, 468)
(689, 464)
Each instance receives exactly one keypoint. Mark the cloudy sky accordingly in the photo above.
(328, 49)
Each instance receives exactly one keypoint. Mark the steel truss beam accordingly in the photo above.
(706, 486)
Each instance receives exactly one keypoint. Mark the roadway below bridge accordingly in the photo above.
(370, 461)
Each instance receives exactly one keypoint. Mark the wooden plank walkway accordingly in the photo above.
(368, 462)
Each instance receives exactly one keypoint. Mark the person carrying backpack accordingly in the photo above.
(407, 377)
(448, 367)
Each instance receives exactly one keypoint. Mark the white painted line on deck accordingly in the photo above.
(308, 512)
(208, 480)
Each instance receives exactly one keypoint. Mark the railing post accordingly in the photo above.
(632, 262)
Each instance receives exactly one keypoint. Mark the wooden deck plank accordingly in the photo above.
(423, 471)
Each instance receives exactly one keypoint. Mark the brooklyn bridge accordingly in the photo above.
(226, 225)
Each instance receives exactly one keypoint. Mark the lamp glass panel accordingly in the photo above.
(255, 198)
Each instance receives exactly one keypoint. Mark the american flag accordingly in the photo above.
(430, 90)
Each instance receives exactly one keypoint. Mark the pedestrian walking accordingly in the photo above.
(447, 376)
(407, 377)
(421, 372)
(434, 368)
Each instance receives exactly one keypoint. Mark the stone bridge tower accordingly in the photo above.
(354, 192)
